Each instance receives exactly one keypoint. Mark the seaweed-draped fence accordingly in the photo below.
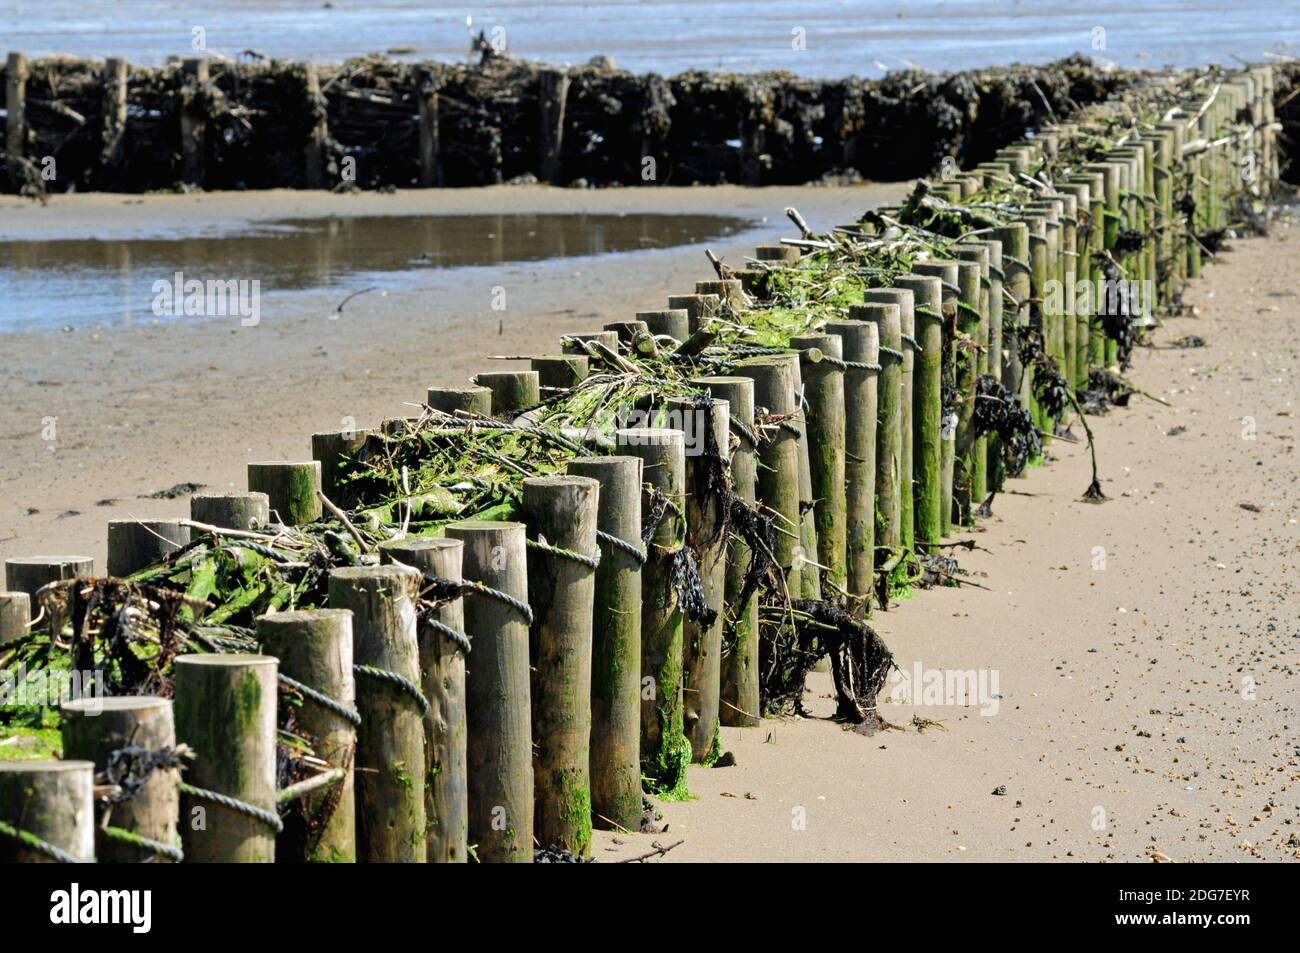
(379, 123)
(626, 542)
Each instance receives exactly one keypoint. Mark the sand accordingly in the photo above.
(1145, 649)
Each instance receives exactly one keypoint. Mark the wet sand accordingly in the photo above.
(1154, 695)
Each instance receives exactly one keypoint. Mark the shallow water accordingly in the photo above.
(78, 282)
(841, 37)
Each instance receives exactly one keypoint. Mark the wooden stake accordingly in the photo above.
(665, 751)
(472, 399)
(889, 433)
(231, 510)
(560, 370)
(903, 297)
(95, 728)
(226, 711)
(512, 391)
(674, 322)
(137, 544)
(291, 489)
(16, 68)
(738, 690)
(927, 417)
(114, 119)
(705, 517)
(552, 95)
(15, 613)
(314, 647)
(50, 801)
(313, 150)
(29, 573)
(335, 452)
(442, 677)
(616, 645)
(562, 513)
(390, 741)
(699, 308)
(823, 391)
(497, 693)
(194, 125)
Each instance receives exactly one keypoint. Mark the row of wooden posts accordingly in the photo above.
(583, 673)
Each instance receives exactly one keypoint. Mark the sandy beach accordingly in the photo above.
(1145, 649)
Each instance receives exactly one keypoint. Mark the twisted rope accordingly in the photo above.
(791, 428)
(890, 352)
(460, 638)
(592, 562)
(393, 678)
(913, 343)
(503, 597)
(320, 698)
(1015, 261)
(234, 804)
(863, 366)
(170, 851)
(928, 311)
(745, 432)
(32, 842)
(636, 552)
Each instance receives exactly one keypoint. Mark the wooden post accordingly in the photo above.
(15, 613)
(50, 801)
(95, 728)
(314, 148)
(497, 693)
(390, 740)
(561, 512)
(627, 330)
(472, 399)
(946, 271)
(442, 677)
(823, 391)
(889, 433)
(29, 573)
(927, 415)
(137, 544)
(231, 510)
(967, 369)
(114, 119)
(729, 291)
(786, 254)
(560, 371)
(860, 347)
(314, 647)
(226, 712)
(1016, 264)
(903, 297)
(573, 345)
(290, 488)
(616, 645)
(705, 519)
(16, 68)
(334, 452)
(552, 94)
(193, 123)
(977, 328)
(674, 322)
(512, 391)
(430, 149)
(777, 483)
(699, 308)
(665, 751)
(810, 581)
(738, 677)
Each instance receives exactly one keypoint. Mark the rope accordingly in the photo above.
(889, 351)
(592, 562)
(863, 366)
(1015, 261)
(503, 597)
(745, 432)
(460, 638)
(636, 552)
(392, 678)
(928, 311)
(320, 698)
(171, 852)
(913, 343)
(791, 428)
(240, 807)
(32, 842)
